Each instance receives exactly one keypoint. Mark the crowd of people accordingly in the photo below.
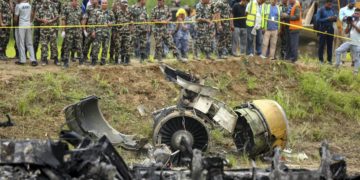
(221, 27)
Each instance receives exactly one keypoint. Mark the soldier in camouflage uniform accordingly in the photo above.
(36, 36)
(123, 42)
(204, 24)
(72, 15)
(223, 10)
(161, 15)
(140, 15)
(102, 37)
(89, 18)
(5, 20)
(47, 16)
(114, 33)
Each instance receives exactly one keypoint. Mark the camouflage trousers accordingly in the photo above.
(140, 43)
(162, 37)
(87, 44)
(73, 40)
(36, 37)
(204, 41)
(101, 40)
(48, 36)
(224, 38)
(114, 37)
(123, 43)
(4, 39)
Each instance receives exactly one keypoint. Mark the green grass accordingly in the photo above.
(315, 101)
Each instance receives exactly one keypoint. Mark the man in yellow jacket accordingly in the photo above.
(253, 23)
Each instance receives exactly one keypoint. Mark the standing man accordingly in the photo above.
(253, 23)
(352, 27)
(72, 16)
(240, 32)
(295, 20)
(123, 43)
(140, 15)
(161, 16)
(5, 21)
(35, 9)
(224, 28)
(89, 18)
(24, 35)
(102, 34)
(47, 16)
(326, 17)
(345, 12)
(114, 34)
(284, 31)
(204, 23)
(270, 24)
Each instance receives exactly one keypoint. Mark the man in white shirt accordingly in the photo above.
(24, 33)
(352, 27)
(345, 12)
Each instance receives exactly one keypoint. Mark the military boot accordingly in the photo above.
(93, 61)
(209, 57)
(116, 61)
(56, 61)
(44, 62)
(127, 60)
(2, 56)
(122, 59)
(102, 61)
(66, 63)
(142, 58)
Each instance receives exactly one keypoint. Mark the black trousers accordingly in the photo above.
(328, 41)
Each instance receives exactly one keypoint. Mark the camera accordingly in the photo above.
(350, 19)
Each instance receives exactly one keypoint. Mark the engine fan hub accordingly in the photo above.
(181, 140)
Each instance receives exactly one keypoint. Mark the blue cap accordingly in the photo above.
(352, 1)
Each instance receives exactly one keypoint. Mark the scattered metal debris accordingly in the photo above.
(86, 119)
(39, 159)
(216, 168)
(8, 122)
(257, 127)
(142, 110)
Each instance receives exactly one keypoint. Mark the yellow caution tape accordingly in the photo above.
(154, 23)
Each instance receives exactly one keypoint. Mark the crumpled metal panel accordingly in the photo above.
(226, 118)
(86, 119)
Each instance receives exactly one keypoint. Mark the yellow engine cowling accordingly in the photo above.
(275, 117)
(262, 125)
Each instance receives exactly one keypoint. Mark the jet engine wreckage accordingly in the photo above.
(180, 137)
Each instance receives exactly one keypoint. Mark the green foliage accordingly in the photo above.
(251, 83)
(314, 87)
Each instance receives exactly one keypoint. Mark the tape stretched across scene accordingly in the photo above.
(154, 23)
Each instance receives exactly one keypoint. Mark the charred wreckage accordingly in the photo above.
(180, 138)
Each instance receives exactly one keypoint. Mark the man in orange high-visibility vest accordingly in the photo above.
(294, 17)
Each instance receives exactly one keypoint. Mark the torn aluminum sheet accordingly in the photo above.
(86, 119)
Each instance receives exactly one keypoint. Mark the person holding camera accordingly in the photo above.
(352, 27)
